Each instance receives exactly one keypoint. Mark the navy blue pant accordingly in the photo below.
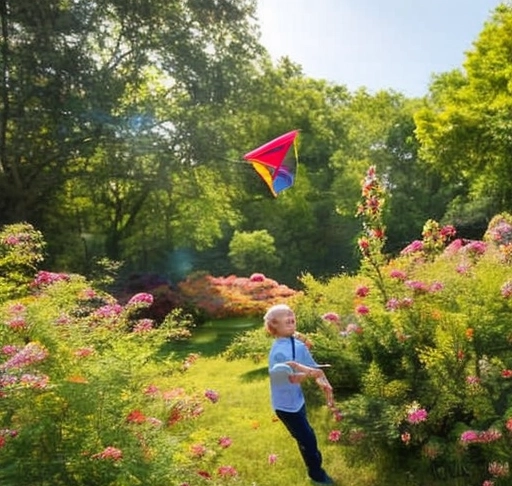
(300, 429)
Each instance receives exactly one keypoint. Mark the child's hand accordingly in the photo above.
(326, 387)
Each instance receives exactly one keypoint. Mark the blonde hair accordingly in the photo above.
(271, 315)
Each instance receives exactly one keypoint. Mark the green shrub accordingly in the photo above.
(86, 394)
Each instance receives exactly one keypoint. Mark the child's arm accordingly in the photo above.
(303, 372)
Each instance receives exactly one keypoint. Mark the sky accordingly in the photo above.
(378, 44)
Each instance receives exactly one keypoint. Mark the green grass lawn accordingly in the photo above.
(243, 413)
(213, 337)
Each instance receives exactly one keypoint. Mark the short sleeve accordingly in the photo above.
(278, 358)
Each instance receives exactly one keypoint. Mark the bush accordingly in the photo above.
(232, 296)
(87, 397)
(430, 332)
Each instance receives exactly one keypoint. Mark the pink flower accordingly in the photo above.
(506, 289)
(364, 245)
(475, 247)
(225, 442)
(17, 322)
(88, 294)
(491, 435)
(480, 437)
(436, 286)
(462, 268)
(151, 390)
(448, 231)
(398, 274)
(143, 325)
(257, 277)
(272, 458)
(498, 469)
(362, 310)
(154, 421)
(417, 416)
(406, 437)
(198, 450)
(17, 308)
(469, 436)
(395, 304)
(454, 247)
(34, 381)
(108, 311)
(416, 285)
(9, 349)
(111, 453)
(353, 328)
(32, 353)
(212, 395)
(11, 240)
(141, 298)
(174, 393)
(44, 278)
(506, 373)
(472, 380)
(83, 352)
(362, 291)
(414, 247)
(331, 317)
(63, 320)
(334, 435)
(227, 471)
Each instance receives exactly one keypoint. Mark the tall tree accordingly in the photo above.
(104, 100)
(465, 129)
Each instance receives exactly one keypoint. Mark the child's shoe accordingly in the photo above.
(327, 481)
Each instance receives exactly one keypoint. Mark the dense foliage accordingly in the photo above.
(122, 129)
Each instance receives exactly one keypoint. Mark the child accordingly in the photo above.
(292, 354)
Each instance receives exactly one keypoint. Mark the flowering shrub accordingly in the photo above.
(84, 399)
(21, 251)
(499, 234)
(432, 346)
(232, 296)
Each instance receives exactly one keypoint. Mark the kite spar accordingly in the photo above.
(276, 161)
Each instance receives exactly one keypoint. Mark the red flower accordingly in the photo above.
(362, 291)
(136, 417)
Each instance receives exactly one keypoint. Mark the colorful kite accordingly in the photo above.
(276, 161)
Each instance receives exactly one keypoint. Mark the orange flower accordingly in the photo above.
(77, 379)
